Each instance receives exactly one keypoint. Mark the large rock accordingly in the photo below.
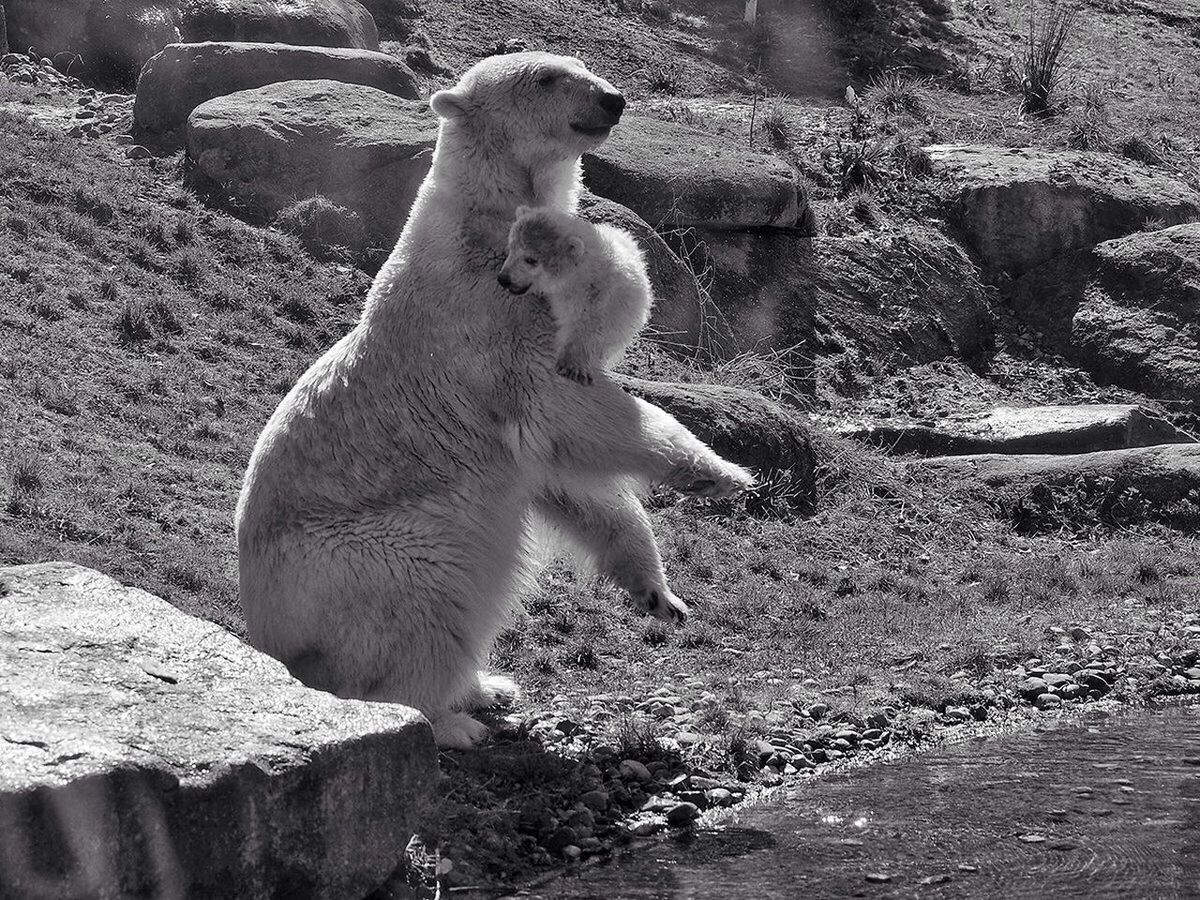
(182, 76)
(262, 150)
(3, 31)
(742, 426)
(890, 298)
(111, 39)
(308, 23)
(1040, 491)
(148, 753)
(673, 175)
(678, 315)
(1034, 429)
(1019, 208)
(1127, 311)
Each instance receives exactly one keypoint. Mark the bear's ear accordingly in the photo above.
(575, 246)
(449, 104)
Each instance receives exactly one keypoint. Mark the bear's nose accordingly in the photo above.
(613, 104)
(505, 280)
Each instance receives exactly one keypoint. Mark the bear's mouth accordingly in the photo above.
(592, 130)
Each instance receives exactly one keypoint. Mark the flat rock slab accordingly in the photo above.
(1127, 311)
(1019, 207)
(673, 175)
(742, 426)
(1160, 483)
(1034, 429)
(260, 151)
(182, 76)
(149, 753)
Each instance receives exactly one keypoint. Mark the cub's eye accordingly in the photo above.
(548, 79)
(531, 261)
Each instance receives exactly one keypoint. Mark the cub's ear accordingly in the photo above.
(449, 104)
(575, 246)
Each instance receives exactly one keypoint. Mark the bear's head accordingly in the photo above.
(544, 247)
(537, 104)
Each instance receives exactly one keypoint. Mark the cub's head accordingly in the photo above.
(539, 103)
(544, 247)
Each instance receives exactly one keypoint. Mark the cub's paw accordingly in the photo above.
(574, 372)
(662, 604)
(714, 482)
(456, 730)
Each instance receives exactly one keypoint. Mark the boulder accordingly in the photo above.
(1127, 311)
(673, 175)
(110, 40)
(395, 19)
(1043, 491)
(151, 754)
(1019, 207)
(890, 298)
(1034, 429)
(262, 150)
(742, 426)
(3, 31)
(182, 76)
(678, 315)
(308, 23)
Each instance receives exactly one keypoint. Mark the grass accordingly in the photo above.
(129, 308)
(1043, 56)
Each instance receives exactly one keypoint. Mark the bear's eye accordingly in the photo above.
(548, 79)
(531, 260)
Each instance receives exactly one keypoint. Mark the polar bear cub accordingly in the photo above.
(594, 277)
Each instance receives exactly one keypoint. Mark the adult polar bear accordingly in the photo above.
(383, 522)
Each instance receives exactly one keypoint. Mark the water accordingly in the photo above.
(1106, 809)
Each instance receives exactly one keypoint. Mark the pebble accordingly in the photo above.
(682, 814)
(1048, 701)
(935, 879)
(137, 151)
(1032, 688)
(878, 878)
(1057, 679)
(571, 853)
(719, 797)
(597, 799)
(1033, 838)
(632, 770)
(645, 829)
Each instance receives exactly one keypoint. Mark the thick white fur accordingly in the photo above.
(594, 277)
(382, 526)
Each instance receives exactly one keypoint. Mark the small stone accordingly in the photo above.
(1032, 838)
(682, 814)
(645, 829)
(1032, 688)
(597, 799)
(1080, 634)
(565, 726)
(719, 797)
(967, 867)
(687, 739)
(878, 878)
(1057, 679)
(632, 770)
(1048, 701)
(559, 839)
(935, 879)
(817, 711)
(571, 853)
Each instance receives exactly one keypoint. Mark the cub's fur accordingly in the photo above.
(594, 277)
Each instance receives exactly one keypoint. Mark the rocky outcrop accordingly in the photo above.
(307, 23)
(887, 297)
(672, 175)
(1020, 207)
(678, 314)
(149, 753)
(182, 76)
(1034, 429)
(1127, 311)
(262, 150)
(1160, 483)
(112, 39)
(741, 426)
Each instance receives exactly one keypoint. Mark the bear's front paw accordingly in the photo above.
(456, 730)
(575, 373)
(661, 604)
(715, 483)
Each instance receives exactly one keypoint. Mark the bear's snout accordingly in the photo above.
(613, 104)
(506, 282)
